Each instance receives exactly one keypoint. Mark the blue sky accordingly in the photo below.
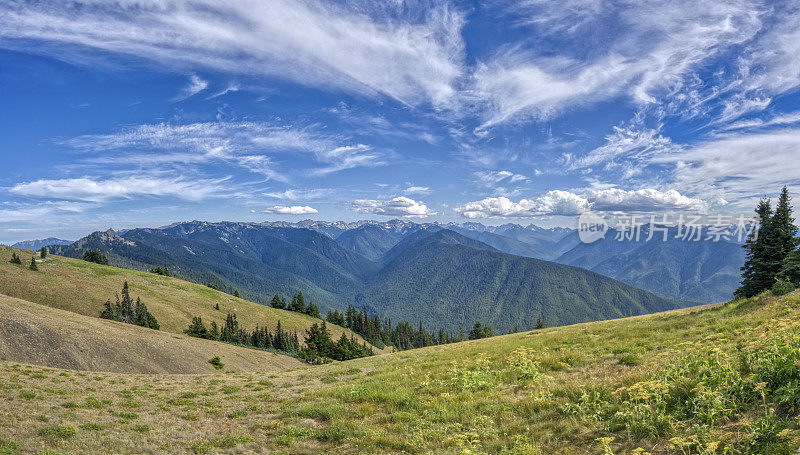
(140, 113)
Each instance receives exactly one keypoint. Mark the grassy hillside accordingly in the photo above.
(41, 335)
(711, 381)
(82, 287)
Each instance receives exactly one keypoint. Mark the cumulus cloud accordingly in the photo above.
(644, 200)
(398, 206)
(566, 203)
(96, 190)
(365, 49)
(290, 210)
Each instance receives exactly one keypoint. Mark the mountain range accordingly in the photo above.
(34, 245)
(424, 273)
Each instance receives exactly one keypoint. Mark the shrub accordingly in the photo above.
(92, 427)
(216, 362)
(782, 287)
(58, 432)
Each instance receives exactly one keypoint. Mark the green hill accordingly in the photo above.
(83, 287)
(709, 380)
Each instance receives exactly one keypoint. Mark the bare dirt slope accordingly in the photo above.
(40, 335)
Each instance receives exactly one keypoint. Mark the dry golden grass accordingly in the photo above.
(82, 287)
(40, 335)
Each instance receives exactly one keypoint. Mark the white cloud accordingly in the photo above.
(251, 145)
(644, 200)
(566, 203)
(196, 85)
(95, 190)
(398, 206)
(291, 210)
(413, 189)
(11, 212)
(230, 88)
(369, 49)
(788, 118)
(492, 178)
(554, 202)
(737, 166)
(296, 195)
(629, 144)
(651, 48)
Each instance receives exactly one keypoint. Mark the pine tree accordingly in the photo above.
(755, 275)
(43, 253)
(95, 256)
(213, 334)
(313, 311)
(197, 328)
(33, 265)
(539, 323)
(236, 293)
(216, 306)
(108, 311)
(277, 303)
(15, 259)
(783, 237)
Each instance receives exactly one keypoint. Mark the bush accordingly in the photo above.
(216, 362)
(782, 287)
(58, 432)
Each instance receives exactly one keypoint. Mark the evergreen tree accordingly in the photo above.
(33, 265)
(480, 331)
(108, 311)
(783, 240)
(163, 271)
(216, 306)
(197, 329)
(313, 311)
(755, 271)
(95, 256)
(15, 259)
(298, 303)
(213, 334)
(236, 293)
(277, 303)
(539, 323)
(43, 253)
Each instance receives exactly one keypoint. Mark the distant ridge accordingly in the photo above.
(34, 245)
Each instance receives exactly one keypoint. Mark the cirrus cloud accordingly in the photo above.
(97, 190)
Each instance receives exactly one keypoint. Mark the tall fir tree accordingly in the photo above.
(43, 252)
(755, 271)
(33, 265)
